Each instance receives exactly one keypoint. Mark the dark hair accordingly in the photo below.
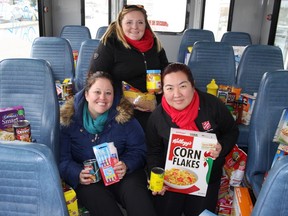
(178, 67)
(91, 79)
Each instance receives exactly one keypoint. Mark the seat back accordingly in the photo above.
(100, 32)
(85, 55)
(75, 34)
(271, 99)
(237, 38)
(30, 182)
(212, 60)
(273, 197)
(58, 52)
(190, 36)
(255, 61)
(29, 82)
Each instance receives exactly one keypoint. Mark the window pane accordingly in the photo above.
(216, 17)
(96, 15)
(162, 16)
(19, 26)
(281, 37)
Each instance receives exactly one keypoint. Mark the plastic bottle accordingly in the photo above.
(212, 87)
(153, 81)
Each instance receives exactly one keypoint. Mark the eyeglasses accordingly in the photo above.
(133, 6)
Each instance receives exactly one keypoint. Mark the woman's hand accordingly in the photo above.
(85, 177)
(162, 192)
(216, 152)
(120, 169)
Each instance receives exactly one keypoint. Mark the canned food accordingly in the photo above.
(92, 165)
(22, 131)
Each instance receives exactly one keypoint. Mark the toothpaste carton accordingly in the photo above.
(107, 156)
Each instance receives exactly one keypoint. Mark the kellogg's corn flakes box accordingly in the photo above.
(188, 163)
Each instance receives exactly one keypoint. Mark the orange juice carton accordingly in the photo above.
(8, 117)
(242, 202)
(189, 163)
(281, 134)
(107, 156)
(71, 202)
(248, 102)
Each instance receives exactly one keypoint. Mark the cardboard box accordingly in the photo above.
(9, 116)
(188, 163)
(242, 203)
(71, 202)
(248, 105)
(281, 134)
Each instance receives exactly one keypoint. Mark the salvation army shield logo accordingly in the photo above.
(206, 125)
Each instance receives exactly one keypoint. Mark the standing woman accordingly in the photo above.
(89, 119)
(127, 49)
(185, 107)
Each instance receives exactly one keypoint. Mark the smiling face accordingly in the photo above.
(178, 90)
(133, 25)
(99, 97)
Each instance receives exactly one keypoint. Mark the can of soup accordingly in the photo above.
(156, 179)
(22, 131)
(93, 168)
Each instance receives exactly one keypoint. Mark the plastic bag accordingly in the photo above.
(141, 101)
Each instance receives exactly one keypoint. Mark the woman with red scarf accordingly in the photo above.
(185, 107)
(127, 50)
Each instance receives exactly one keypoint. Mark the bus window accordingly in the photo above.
(216, 17)
(163, 15)
(19, 26)
(281, 37)
(96, 15)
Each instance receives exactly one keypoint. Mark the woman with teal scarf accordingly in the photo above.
(92, 118)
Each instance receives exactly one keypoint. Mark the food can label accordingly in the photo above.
(22, 131)
(156, 179)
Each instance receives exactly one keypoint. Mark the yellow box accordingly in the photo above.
(71, 202)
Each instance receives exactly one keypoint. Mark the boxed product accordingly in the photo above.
(248, 102)
(189, 163)
(281, 135)
(107, 156)
(242, 203)
(71, 202)
(8, 117)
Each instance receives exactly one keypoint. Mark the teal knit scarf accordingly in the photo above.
(93, 126)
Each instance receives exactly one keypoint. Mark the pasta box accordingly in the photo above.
(188, 163)
(9, 116)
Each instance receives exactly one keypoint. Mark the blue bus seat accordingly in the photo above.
(85, 55)
(237, 38)
(30, 182)
(58, 52)
(255, 61)
(272, 98)
(273, 197)
(75, 34)
(29, 82)
(100, 32)
(212, 60)
(190, 36)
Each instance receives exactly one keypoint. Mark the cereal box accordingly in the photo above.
(188, 163)
(281, 135)
(248, 105)
(9, 116)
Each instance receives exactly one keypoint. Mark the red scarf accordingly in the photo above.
(145, 43)
(185, 118)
